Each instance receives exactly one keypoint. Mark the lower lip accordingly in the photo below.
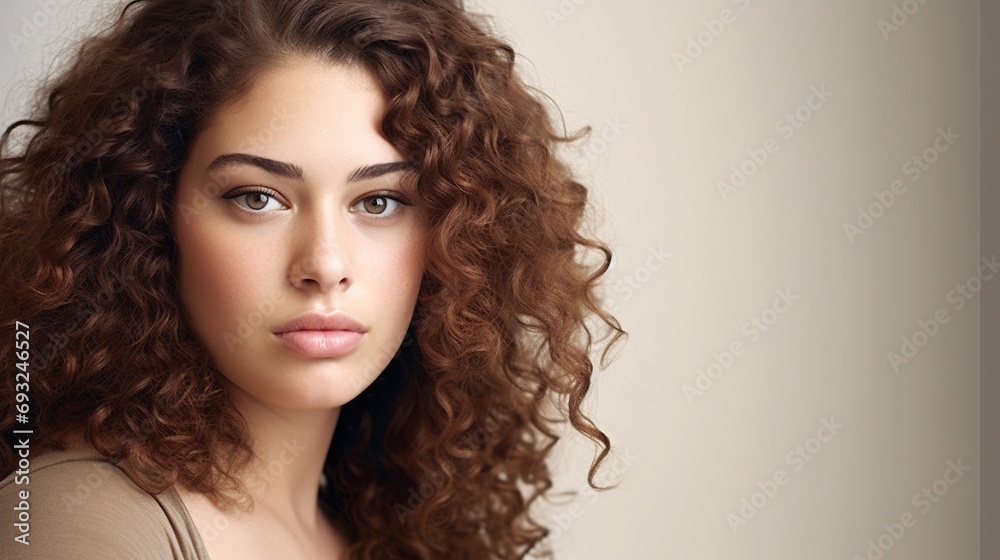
(320, 344)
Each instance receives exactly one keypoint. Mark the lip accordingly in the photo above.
(316, 321)
(321, 344)
(321, 335)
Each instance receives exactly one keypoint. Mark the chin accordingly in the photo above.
(301, 391)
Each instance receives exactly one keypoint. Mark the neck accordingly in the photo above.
(290, 447)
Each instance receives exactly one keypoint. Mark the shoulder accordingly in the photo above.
(78, 504)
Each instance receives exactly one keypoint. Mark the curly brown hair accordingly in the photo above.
(446, 452)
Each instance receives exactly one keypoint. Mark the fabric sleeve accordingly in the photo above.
(85, 510)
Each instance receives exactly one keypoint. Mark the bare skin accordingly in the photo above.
(286, 521)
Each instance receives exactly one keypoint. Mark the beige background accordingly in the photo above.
(665, 134)
(990, 306)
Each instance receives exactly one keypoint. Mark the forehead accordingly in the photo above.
(306, 111)
(309, 91)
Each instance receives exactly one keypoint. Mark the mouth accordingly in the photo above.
(317, 334)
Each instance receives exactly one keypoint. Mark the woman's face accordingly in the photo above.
(274, 220)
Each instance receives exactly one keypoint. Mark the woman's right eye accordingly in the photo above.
(254, 201)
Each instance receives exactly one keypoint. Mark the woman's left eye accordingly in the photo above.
(380, 204)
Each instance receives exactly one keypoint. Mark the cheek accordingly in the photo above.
(215, 280)
(402, 268)
(393, 276)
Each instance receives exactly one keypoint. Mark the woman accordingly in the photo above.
(299, 278)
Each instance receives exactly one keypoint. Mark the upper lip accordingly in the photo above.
(317, 321)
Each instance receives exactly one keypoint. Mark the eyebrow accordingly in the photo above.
(292, 171)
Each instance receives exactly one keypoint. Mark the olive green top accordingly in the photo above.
(82, 506)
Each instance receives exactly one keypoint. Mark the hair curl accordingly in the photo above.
(445, 453)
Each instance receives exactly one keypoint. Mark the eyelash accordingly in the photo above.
(399, 199)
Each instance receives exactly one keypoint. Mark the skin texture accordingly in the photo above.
(320, 243)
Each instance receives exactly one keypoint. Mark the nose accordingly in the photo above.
(322, 254)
